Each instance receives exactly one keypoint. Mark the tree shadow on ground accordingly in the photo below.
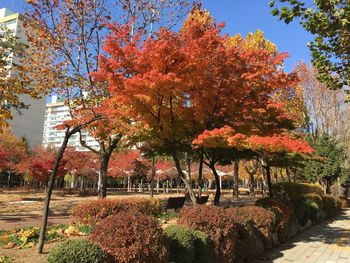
(325, 232)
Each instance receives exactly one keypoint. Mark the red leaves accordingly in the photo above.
(279, 143)
(123, 163)
(129, 237)
(41, 164)
(226, 137)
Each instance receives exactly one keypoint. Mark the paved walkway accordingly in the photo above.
(325, 243)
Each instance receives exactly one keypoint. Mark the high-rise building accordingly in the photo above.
(28, 122)
(56, 113)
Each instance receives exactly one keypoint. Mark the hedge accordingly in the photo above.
(287, 191)
(131, 238)
(220, 227)
(93, 211)
(285, 217)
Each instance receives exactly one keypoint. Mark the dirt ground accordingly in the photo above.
(20, 208)
(29, 255)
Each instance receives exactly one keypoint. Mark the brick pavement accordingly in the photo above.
(328, 242)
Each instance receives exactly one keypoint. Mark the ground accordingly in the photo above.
(20, 208)
(328, 242)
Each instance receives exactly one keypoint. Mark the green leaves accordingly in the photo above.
(329, 21)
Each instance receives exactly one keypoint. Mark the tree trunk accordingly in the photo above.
(183, 178)
(275, 174)
(252, 183)
(217, 184)
(102, 178)
(153, 176)
(236, 179)
(328, 187)
(288, 174)
(200, 175)
(49, 191)
(268, 177)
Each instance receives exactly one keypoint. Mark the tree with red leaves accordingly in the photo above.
(41, 163)
(267, 148)
(179, 84)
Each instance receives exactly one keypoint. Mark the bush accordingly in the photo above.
(262, 220)
(187, 245)
(202, 249)
(285, 217)
(313, 198)
(314, 203)
(129, 238)
(76, 251)
(331, 205)
(91, 212)
(345, 201)
(218, 225)
(287, 191)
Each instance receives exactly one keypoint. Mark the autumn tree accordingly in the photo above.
(13, 153)
(142, 17)
(63, 47)
(41, 164)
(180, 84)
(81, 165)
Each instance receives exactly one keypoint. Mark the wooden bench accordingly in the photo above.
(202, 200)
(175, 203)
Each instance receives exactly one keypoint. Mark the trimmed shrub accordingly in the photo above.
(263, 221)
(202, 247)
(129, 238)
(186, 245)
(314, 203)
(331, 205)
(285, 217)
(217, 223)
(91, 212)
(313, 198)
(76, 251)
(287, 191)
(345, 201)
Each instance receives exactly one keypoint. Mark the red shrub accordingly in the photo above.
(218, 225)
(284, 215)
(91, 212)
(263, 220)
(131, 238)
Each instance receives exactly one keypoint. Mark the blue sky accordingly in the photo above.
(244, 16)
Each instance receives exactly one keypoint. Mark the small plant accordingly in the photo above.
(187, 245)
(76, 251)
(168, 216)
(28, 237)
(131, 238)
(5, 259)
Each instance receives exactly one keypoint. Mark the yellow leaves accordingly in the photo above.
(201, 16)
(254, 41)
(25, 235)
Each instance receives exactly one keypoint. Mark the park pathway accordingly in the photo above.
(325, 243)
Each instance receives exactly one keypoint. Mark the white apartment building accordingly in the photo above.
(29, 122)
(56, 113)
